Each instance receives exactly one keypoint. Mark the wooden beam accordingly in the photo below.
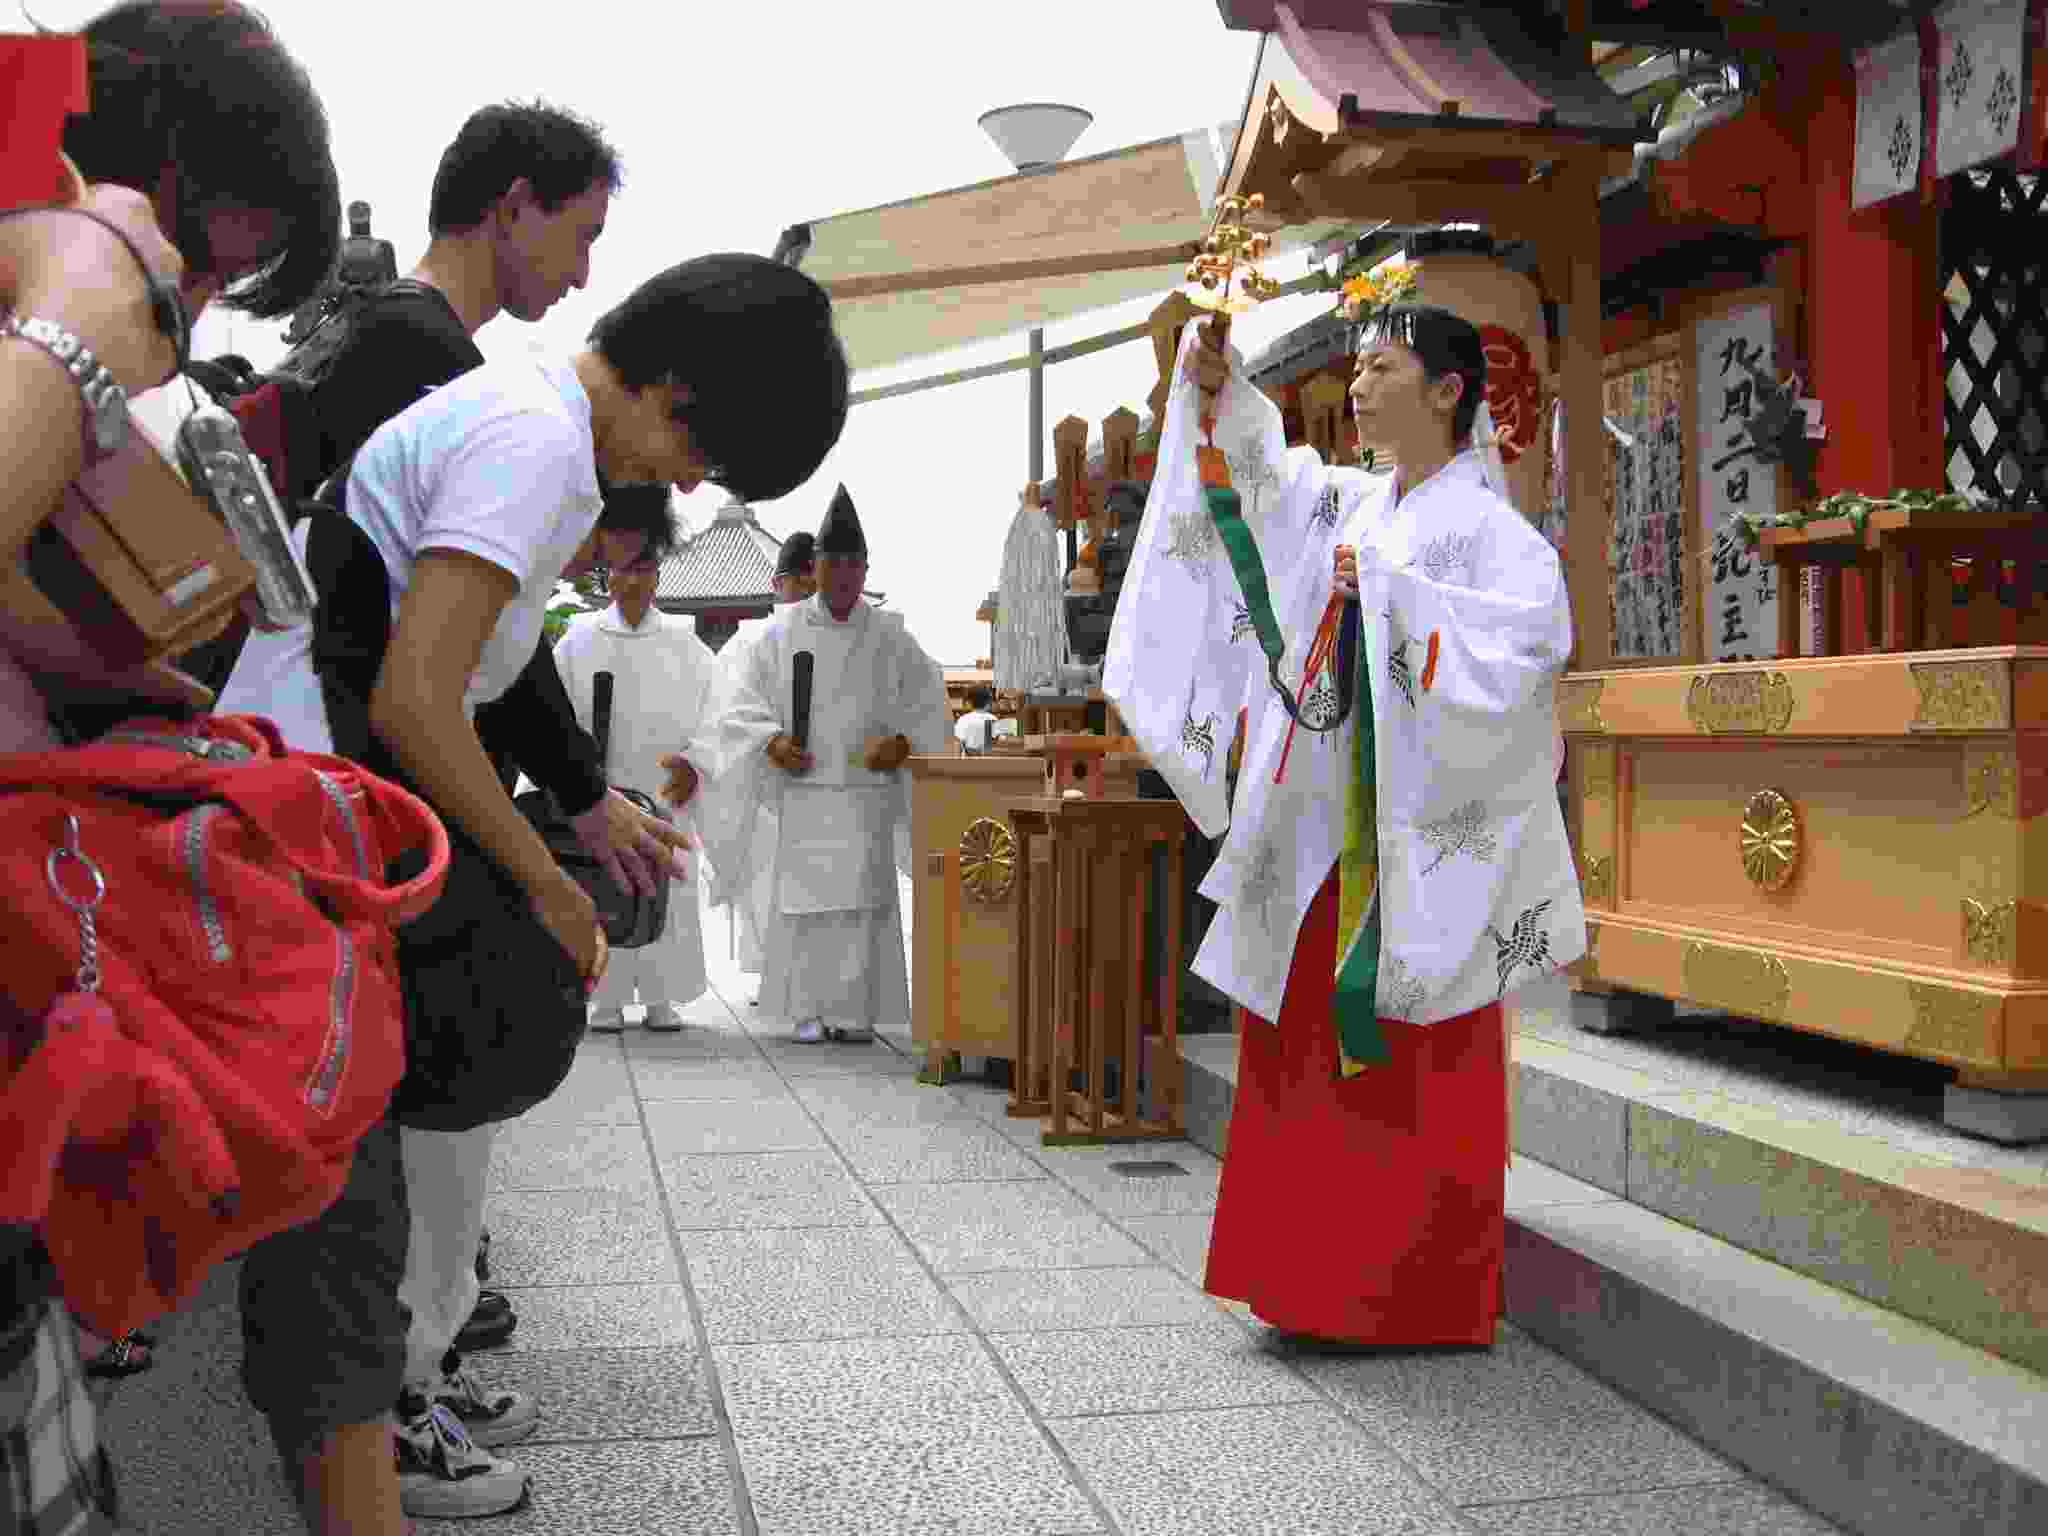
(923, 281)
(1521, 208)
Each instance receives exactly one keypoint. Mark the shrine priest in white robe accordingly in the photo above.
(833, 962)
(662, 741)
(748, 888)
(1396, 861)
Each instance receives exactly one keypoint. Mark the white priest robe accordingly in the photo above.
(742, 872)
(1465, 625)
(834, 936)
(662, 698)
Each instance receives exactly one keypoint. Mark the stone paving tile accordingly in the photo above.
(891, 1435)
(576, 1236)
(621, 1488)
(1215, 1364)
(1039, 1301)
(1182, 1241)
(871, 1098)
(762, 1190)
(608, 1394)
(597, 1091)
(966, 1228)
(1297, 1468)
(929, 1154)
(834, 1060)
(552, 1155)
(713, 1127)
(1717, 1509)
(166, 1428)
(644, 1316)
(692, 1045)
(813, 1283)
(1092, 1173)
(662, 1078)
(1515, 1422)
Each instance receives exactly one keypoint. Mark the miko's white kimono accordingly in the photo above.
(833, 935)
(662, 677)
(1465, 626)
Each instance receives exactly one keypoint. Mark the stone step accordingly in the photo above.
(1884, 1423)
(1878, 1422)
(1961, 1248)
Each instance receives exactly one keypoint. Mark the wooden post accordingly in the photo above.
(1573, 242)
(1322, 414)
(1165, 323)
(1070, 461)
(1120, 444)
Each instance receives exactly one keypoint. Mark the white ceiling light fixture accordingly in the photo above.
(1035, 134)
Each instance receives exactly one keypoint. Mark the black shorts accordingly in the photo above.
(323, 1328)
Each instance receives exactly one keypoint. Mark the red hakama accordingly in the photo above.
(1367, 1209)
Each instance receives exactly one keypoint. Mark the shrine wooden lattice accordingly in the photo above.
(1994, 335)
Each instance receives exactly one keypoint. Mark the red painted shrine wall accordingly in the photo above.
(1865, 285)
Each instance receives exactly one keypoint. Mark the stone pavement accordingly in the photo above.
(786, 1290)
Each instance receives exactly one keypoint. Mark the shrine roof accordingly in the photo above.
(730, 560)
(1389, 64)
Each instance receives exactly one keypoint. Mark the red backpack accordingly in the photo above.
(201, 964)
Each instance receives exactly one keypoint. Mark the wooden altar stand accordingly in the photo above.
(1084, 894)
(1896, 549)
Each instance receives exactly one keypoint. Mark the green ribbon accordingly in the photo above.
(1355, 1001)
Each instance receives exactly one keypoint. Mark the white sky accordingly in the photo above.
(735, 121)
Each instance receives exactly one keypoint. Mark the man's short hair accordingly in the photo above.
(981, 698)
(209, 89)
(560, 154)
(642, 509)
(753, 341)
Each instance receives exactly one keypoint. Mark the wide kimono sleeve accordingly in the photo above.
(920, 712)
(747, 787)
(1478, 890)
(1174, 667)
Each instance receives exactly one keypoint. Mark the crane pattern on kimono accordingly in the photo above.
(1523, 945)
(1241, 623)
(1251, 471)
(1199, 736)
(1191, 535)
(1259, 883)
(1447, 557)
(1328, 509)
(1399, 673)
(1401, 993)
(1464, 831)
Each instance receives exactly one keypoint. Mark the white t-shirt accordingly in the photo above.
(500, 464)
(274, 677)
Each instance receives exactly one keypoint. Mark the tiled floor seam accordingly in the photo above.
(743, 1501)
(1038, 1421)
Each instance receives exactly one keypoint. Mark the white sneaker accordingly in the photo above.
(810, 1032)
(491, 1418)
(607, 1021)
(664, 1018)
(445, 1475)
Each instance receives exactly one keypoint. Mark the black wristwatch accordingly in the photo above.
(106, 402)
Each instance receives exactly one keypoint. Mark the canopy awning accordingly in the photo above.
(948, 269)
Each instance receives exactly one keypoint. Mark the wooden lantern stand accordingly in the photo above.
(1084, 896)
